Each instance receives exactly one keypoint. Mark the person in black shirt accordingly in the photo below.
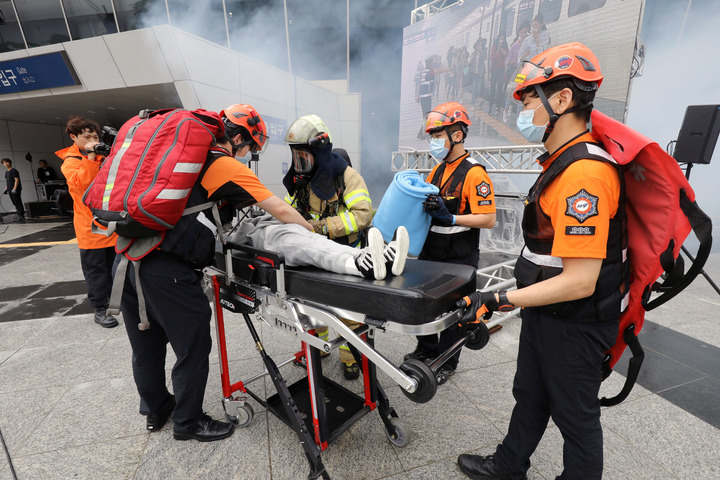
(45, 173)
(14, 189)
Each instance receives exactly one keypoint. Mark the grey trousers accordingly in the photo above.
(299, 246)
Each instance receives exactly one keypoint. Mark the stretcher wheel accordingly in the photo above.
(400, 433)
(480, 338)
(244, 416)
(425, 378)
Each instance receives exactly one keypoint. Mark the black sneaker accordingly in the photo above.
(103, 319)
(206, 430)
(444, 374)
(420, 353)
(480, 467)
(370, 260)
(396, 252)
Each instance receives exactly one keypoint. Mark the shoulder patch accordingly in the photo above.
(483, 190)
(581, 206)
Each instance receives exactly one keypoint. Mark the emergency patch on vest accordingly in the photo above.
(578, 230)
(582, 206)
(482, 203)
(483, 190)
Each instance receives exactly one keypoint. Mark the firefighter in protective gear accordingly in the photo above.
(465, 204)
(571, 274)
(329, 193)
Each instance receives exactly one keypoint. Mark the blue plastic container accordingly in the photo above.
(402, 205)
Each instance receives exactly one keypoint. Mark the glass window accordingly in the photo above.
(134, 14)
(42, 22)
(89, 18)
(10, 35)
(550, 10)
(576, 7)
(204, 19)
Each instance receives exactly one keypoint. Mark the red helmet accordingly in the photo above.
(572, 59)
(445, 115)
(249, 119)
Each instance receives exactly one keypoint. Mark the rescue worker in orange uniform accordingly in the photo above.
(572, 274)
(177, 308)
(466, 204)
(97, 252)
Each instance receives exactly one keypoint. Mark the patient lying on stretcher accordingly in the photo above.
(301, 247)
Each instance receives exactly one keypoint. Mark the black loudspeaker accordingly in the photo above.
(698, 134)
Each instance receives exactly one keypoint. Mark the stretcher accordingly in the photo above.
(421, 301)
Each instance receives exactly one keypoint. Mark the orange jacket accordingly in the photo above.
(80, 171)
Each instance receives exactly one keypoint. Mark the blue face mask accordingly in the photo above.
(437, 148)
(533, 133)
(245, 159)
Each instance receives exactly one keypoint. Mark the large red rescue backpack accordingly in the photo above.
(661, 212)
(144, 183)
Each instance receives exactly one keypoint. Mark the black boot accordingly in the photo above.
(103, 319)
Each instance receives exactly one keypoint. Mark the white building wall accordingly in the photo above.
(204, 74)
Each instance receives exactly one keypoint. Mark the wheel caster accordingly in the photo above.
(425, 378)
(239, 415)
(400, 433)
(480, 336)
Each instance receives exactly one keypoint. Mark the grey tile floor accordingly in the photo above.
(68, 405)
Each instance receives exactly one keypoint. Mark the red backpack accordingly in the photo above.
(144, 183)
(661, 212)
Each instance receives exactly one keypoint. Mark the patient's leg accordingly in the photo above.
(304, 248)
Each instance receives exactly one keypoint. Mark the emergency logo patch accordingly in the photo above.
(483, 190)
(582, 206)
(457, 114)
(563, 62)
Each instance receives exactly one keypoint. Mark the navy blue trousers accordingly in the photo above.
(97, 264)
(558, 375)
(179, 313)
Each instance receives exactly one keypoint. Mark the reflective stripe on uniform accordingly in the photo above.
(352, 198)
(542, 260)
(348, 219)
(448, 230)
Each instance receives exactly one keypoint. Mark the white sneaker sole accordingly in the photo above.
(402, 244)
(376, 245)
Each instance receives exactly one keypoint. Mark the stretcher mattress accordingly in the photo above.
(424, 291)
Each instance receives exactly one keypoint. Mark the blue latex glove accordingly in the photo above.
(435, 207)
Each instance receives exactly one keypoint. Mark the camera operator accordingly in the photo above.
(81, 163)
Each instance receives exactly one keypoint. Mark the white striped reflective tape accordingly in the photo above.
(448, 230)
(173, 193)
(595, 150)
(542, 260)
(185, 167)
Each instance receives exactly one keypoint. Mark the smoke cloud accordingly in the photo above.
(679, 72)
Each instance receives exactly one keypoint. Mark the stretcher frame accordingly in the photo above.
(300, 318)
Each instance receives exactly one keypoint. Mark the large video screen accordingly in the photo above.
(470, 52)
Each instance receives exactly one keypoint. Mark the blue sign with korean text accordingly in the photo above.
(34, 73)
(277, 127)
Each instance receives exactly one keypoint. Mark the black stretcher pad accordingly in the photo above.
(424, 291)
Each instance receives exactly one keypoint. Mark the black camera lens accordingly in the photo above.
(102, 149)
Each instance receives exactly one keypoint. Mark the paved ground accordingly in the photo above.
(68, 405)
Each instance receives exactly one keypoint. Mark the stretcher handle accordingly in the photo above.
(272, 258)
